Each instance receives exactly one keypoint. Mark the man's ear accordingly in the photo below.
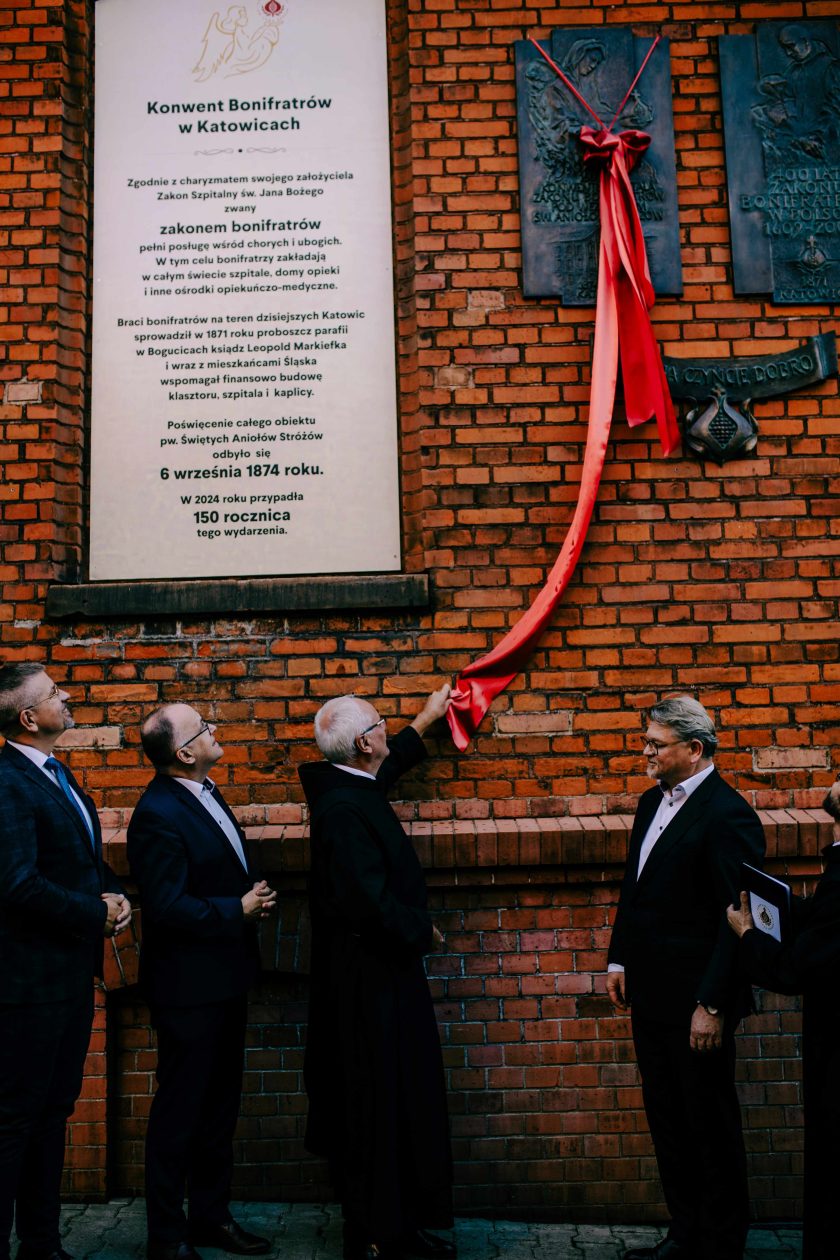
(27, 722)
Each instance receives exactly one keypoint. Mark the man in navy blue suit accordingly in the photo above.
(201, 904)
(57, 904)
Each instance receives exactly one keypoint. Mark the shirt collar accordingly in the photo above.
(35, 755)
(195, 788)
(683, 790)
(363, 774)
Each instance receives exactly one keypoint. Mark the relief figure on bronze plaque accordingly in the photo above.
(569, 192)
(800, 113)
(783, 167)
(559, 193)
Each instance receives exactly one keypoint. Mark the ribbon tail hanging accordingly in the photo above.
(622, 325)
(481, 681)
(646, 394)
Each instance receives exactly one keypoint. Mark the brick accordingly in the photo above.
(791, 759)
(721, 581)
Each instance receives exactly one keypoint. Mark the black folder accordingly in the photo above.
(769, 902)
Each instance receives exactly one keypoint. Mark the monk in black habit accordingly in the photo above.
(808, 963)
(373, 1067)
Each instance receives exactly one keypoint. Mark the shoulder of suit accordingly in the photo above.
(161, 784)
(157, 795)
(654, 792)
(13, 763)
(723, 788)
(10, 758)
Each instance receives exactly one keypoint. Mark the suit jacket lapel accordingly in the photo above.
(684, 818)
(648, 806)
(204, 816)
(44, 783)
(222, 803)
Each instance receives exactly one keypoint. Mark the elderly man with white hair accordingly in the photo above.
(373, 1069)
(673, 961)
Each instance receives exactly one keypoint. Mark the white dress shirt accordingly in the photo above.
(672, 802)
(203, 792)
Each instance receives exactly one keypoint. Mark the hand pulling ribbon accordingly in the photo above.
(622, 322)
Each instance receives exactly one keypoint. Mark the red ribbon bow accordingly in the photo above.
(625, 292)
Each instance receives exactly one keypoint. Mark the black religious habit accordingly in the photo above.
(808, 964)
(373, 1067)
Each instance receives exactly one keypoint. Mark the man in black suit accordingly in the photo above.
(373, 1067)
(807, 963)
(201, 905)
(57, 904)
(673, 960)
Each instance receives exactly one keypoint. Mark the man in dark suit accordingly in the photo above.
(199, 956)
(373, 1067)
(807, 963)
(673, 960)
(57, 904)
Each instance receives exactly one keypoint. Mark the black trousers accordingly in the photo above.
(189, 1143)
(821, 1079)
(695, 1122)
(42, 1057)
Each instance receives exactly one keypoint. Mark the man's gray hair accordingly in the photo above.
(338, 724)
(687, 717)
(16, 692)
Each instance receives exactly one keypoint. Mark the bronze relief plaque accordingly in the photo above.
(558, 196)
(781, 114)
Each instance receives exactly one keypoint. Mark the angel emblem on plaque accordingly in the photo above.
(231, 47)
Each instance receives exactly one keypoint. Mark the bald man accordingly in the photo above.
(373, 1068)
(201, 905)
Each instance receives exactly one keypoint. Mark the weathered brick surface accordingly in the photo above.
(545, 1100)
(724, 582)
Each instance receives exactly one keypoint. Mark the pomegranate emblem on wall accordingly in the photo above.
(235, 44)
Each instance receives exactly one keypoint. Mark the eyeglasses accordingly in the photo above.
(51, 694)
(205, 726)
(658, 744)
(373, 727)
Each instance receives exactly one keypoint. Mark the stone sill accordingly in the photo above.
(794, 840)
(238, 595)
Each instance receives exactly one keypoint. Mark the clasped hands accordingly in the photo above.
(259, 902)
(118, 914)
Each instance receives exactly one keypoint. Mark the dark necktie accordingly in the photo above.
(64, 783)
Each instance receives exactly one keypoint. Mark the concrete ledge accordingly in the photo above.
(498, 851)
(238, 595)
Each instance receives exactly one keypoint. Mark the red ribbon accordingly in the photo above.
(625, 296)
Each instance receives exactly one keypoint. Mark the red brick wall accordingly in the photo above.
(544, 1096)
(721, 581)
